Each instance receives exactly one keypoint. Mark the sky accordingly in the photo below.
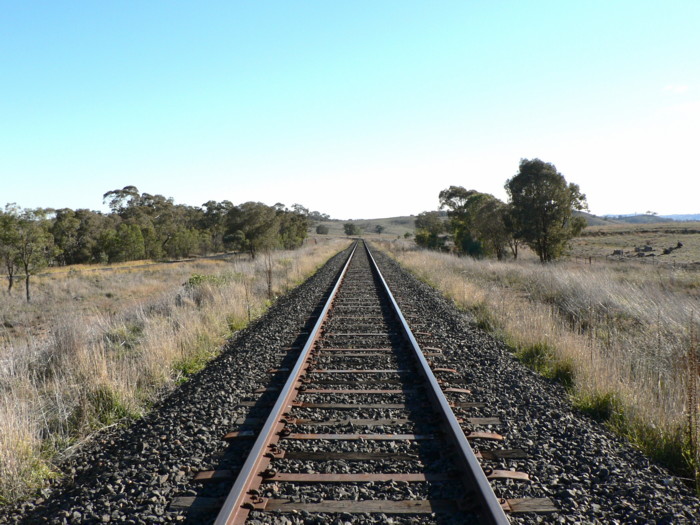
(358, 109)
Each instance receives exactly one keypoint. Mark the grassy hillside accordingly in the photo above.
(398, 226)
(638, 219)
(393, 226)
(602, 241)
(594, 220)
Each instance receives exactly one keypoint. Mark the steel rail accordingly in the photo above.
(234, 510)
(471, 468)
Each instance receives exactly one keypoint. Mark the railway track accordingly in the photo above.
(363, 425)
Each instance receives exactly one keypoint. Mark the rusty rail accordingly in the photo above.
(237, 504)
(244, 497)
(470, 468)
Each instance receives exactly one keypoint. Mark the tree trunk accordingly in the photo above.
(10, 279)
(26, 279)
(10, 276)
(268, 274)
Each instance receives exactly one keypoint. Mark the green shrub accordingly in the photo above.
(541, 357)
(199, 279)
(601, 406)
(484, 319)
(125, 338)
(235, 324)
(197, 356)
(100, 406)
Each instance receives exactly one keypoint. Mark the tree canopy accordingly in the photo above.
(477, 221)
(141, 225)
(542, 208)
(429, 228)
(540, 213)
(350, 228)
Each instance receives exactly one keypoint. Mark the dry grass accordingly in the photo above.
(618, 336)
(98, 347)
(602, 241)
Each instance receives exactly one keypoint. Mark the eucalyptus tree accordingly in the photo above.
(294, 226)
(542, 208)
(35, 246)
(429, 229)
(456, 200)
(253, 227)
(213, 222)
(9, 239)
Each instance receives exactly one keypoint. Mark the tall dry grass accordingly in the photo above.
(96, 348)
(620, 337)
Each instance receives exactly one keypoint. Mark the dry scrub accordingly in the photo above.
(97, 347)
(622, 338)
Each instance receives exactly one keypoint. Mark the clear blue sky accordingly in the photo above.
(359, 109)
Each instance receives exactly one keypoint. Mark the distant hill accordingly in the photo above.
(594, 220)
(398, 226)
(637, 219)
(683, 217)
(390, 226)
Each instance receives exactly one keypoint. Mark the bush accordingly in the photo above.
(543, 359)
(601, 406)
(322, 229)
(199, 279)
(351, 229)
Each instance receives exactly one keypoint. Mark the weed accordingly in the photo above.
(125, 337)
(101, 406)
(235, 323)
(601, 406)
(663, 444)
(196, 358)
(484, 318)
(542, 358)
(199, 279)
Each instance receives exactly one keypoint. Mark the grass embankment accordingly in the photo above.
(98, 347)
(623, 339)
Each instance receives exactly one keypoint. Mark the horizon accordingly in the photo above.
(365, 110)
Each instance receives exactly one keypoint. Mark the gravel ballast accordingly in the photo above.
(591, 475)
(131, 475)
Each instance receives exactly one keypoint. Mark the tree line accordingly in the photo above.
(142, 226)
(539, 214)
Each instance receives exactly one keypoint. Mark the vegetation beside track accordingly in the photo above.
(95, 349)
(622, 338)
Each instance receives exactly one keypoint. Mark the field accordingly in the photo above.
(598, 241)
(621, 334)
(393, 226)
(602, 241)
(98, 345)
